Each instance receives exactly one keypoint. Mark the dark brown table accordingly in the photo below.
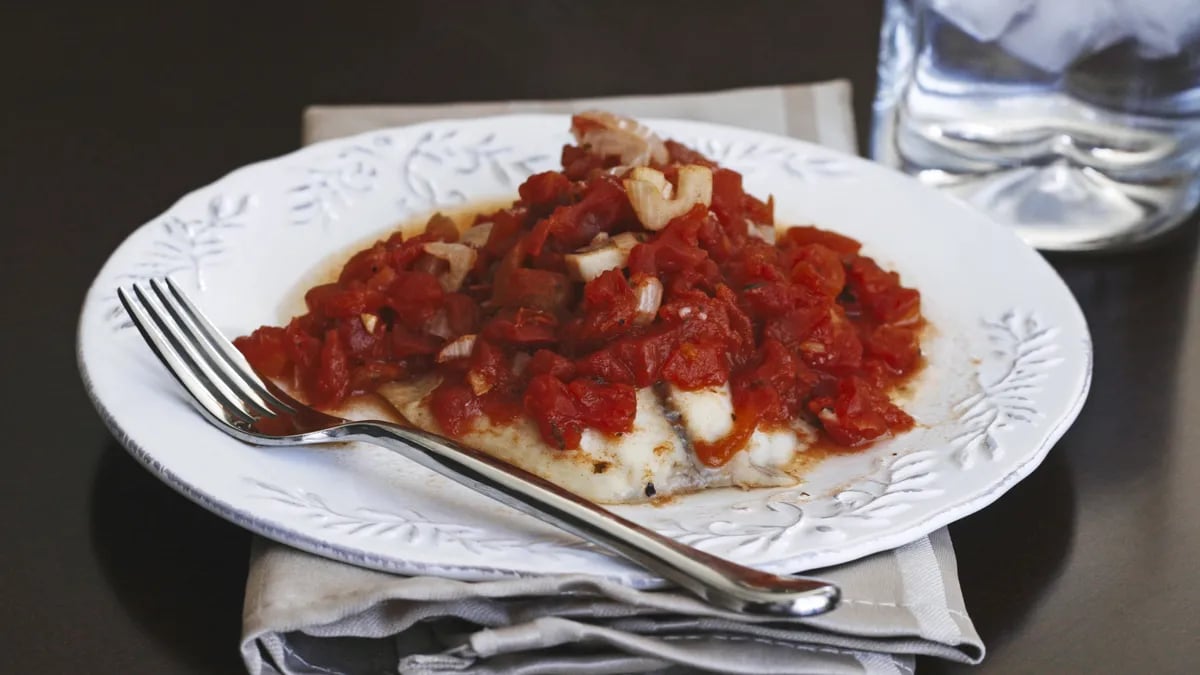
(109, 114)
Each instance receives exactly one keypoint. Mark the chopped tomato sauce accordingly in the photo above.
(803, 328)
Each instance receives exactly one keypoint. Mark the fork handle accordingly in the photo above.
(718, 581)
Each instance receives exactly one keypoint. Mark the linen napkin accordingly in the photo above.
(306, 614)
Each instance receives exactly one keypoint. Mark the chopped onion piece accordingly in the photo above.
(439, 325)
(812, 347)
(626, 241)
(633, 142)
(477, 235)
(430, 264)
(649, 292)
(603, 254)
(461, 259)
(591, 264)
(763, 232)
(369, 321)
(647, 194)
(520, 362)
(458, 348)
(655, 177)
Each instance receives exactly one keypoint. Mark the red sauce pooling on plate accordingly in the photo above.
(805, 327)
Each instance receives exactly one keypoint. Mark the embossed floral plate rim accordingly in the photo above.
(1009, 357)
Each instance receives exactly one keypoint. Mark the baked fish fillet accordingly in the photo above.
(654, 459)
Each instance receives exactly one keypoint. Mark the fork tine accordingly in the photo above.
(181, 359)
(216, 360)
(233, 359)
(170, 358)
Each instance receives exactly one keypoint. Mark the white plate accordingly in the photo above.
(1009, 358)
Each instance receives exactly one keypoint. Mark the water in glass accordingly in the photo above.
(1075, 121)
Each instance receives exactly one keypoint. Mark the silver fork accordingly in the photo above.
(231, 395)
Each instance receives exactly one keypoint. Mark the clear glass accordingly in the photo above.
(1077, 122)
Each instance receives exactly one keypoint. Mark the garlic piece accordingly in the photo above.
(369, 321)
(647, 194)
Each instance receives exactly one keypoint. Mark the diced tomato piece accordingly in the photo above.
(898, 305)
(543, 191)
(532, 288)
(608, 407)
(579, 163)
(535, 242)
(303, 348)
(858, 413)
(358, 341)
(522, 328)
(506, 229)
(833, 343)
(462, 313)
(366, 377)
(378, 285)
(676, 249)
(880, 293)
(899, 348)
(550, 404)
(676, 257)
(365, 263)
(755, 263)
(794, 326)
(403, 254)
(415, 297)
(645, 356)
(603, 206)
(441, 228)
(335, 300)
(546, 362)
(608, 310)
(694, 366)
(332, 381)
(682, 154)
(642, 259)
(778, 383)
(739, 327)
(721, 242)
(727, 199)
(490, 367)
(819, 269)
(406, 342)
(266, 350)
(806, 234)
(761, 400)
(768, 298)
(501, 405)
(606, 365)
(454, 406)
(759, 211)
